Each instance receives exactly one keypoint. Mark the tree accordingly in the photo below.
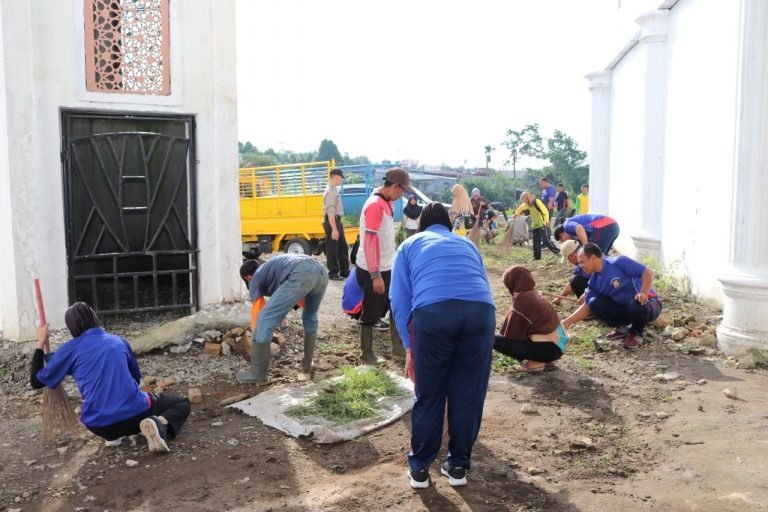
(488, 150)
(327, 151)
(247, 147)
(566, 161)
(527, 141)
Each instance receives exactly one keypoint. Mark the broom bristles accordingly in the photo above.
(57, 413)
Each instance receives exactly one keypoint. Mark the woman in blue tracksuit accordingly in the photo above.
(448, 330)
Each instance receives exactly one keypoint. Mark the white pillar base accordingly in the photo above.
(745, 313)
(647, 246)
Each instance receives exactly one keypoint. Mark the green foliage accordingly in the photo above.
(496, 187)
(250, 155)
(566, 160)
(352, 397)
(527, 142)
(328, 151)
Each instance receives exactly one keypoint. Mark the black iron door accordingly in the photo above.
(129, 192)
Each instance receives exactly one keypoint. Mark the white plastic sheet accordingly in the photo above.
(270, 407)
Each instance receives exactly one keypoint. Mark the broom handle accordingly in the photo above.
(39, 298)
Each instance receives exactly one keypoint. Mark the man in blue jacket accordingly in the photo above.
(619, 293)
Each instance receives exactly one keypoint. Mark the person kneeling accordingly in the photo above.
(532, 332)
(108, 376)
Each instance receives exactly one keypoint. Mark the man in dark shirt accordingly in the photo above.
(563, 204)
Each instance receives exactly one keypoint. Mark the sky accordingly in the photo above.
(432, 81)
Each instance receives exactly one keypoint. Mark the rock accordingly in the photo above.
(679, 333)
(211, 334)
(195, 395)
(226, 348)
(199, 340)
(708, 340)
(662, 415)
(668, 330)
(529, 409)
(212, 349)
(233, 442)
(234, 398)
(243, 347)
(181, 349)
(644, 415)
(696, 351)
(149, 380)
(670, 376)
(730, 393)
(131, 463)
(217, 423)
(701, 382)
(535, 471)
(182, 330)
(662, 321)
(238, 331)
(582, 443)
(696, 333)
(30, 462)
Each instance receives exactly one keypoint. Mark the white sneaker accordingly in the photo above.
(114, 442)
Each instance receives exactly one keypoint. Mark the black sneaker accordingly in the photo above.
(457, 475)
(156, 434)
(381, 325)
(335, 277)
(419, 479)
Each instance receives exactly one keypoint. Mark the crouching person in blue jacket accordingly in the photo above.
(108, 376)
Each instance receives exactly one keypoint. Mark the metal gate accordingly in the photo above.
(129, 196)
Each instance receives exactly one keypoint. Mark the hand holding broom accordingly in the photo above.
(57, 411)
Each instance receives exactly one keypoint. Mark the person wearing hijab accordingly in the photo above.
(108, 376)
(411, 214)
(531, 332)
(448, 331)
(461, 207)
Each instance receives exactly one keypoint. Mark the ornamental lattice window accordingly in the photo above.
(127, 46)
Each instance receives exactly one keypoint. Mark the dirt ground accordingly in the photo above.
(609, 430)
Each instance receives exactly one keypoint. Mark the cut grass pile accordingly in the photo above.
(354, 395)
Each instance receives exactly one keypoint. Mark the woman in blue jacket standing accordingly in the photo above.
(448, 330)
(108, 376)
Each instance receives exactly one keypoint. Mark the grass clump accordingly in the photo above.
(354, 395)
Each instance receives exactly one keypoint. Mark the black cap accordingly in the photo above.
(337, 172)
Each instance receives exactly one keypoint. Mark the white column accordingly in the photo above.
(22, 193)
(599, 154)
(745, 283)
(653, 41)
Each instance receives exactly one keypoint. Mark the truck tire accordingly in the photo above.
(297, 246)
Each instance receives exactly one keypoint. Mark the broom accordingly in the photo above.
(57, 411)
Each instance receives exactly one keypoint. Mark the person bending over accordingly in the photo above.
(619, 293)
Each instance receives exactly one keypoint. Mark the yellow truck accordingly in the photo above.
(281, 208)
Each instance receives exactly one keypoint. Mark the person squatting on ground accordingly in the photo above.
(289, 280)
(411, 214)
(336, 248)
(619, 293)
(443, 307)
(374, 261)
(578, 283)
(539, 220)
(531, 333)
(601, 230)
(108, 377)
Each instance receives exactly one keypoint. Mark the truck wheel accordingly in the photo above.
(297, 246)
